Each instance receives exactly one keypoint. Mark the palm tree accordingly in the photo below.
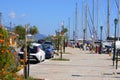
(64, 30)
(33, 31)
(62, 39)
(20, 30)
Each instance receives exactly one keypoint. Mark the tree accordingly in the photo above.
(33, 31)
(61, 40)
(20, 30)
(8, 67)
(64, 30)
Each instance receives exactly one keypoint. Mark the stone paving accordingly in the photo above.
(82, 66)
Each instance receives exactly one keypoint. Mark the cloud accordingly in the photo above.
(12, 15)
(23, 15)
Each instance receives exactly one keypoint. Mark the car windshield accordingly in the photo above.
(41, 47)
(32, 49)
(46, 46)
(47, 42)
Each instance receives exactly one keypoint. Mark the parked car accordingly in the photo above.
(35, 52)
(49, 51)
(48, 42)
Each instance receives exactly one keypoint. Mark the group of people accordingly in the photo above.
(85, 46)
(93, 48)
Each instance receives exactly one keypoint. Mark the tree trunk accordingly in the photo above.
(61, 51)
(64, 45)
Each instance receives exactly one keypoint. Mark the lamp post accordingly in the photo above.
(114, 52)
(84, 30)
(101, 28)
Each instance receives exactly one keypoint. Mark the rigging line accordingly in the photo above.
(94, 31)
(116, 4)
(90, 16)
(91, 21)
(89, 28)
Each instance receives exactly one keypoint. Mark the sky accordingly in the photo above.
(49, 15)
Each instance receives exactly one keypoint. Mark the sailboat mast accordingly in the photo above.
(86, 20)
(93, 22)
(97, 17)
(108, 17)
(76, 21)
(118, 19)
(82, 20)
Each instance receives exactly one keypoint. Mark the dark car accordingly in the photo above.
(49, 51)
(48, 42)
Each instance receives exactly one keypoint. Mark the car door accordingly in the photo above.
(42, 52)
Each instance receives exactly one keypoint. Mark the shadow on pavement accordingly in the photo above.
(33, 62)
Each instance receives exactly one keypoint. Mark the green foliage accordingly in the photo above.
(60, 39)
(33, 30)
(20, 30)
(64, 30)
(7, 60)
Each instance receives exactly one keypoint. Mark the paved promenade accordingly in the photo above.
(82, 66)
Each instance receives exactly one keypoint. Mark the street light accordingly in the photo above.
(101, 28)
(84, 30)
(115, 22)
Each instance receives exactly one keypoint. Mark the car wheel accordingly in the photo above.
(52, 56)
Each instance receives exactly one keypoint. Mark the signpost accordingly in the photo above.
(25, 53)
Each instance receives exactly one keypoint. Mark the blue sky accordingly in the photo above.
(48, 15)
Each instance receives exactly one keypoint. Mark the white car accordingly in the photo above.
(35, 52)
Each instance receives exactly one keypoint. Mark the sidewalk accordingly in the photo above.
(82, 66)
